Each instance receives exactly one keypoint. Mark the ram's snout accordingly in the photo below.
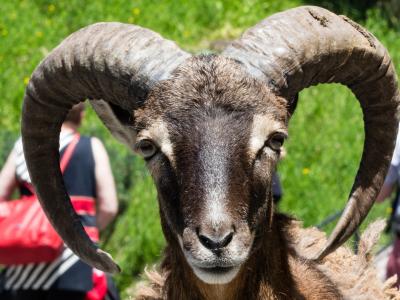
(215, 251)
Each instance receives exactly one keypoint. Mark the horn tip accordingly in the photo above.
(326, 250)
(106, 263)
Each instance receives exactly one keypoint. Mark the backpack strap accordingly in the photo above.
(68, 152)
(64, 160)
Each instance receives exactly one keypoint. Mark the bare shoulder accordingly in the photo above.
(96, 143)
(99, 151)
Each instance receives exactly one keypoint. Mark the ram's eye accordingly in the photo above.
(146, 148)
(275, 142)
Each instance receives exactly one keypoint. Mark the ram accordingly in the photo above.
(211, 128)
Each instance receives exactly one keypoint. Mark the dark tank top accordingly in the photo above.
(80, 182)
(79, 177)
(67, 272)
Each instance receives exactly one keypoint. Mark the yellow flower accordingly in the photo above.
(389, 210)
(26, 80)
(306, 171)
(51, 8)
(186, 33)
(136, 11)
(39, 34)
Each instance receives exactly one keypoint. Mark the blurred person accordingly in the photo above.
(276, 188)
(277, 191)
(88, 174)
(392, 182)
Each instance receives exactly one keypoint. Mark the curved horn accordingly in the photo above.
(308, 45)
(111, 61)
(117, 121)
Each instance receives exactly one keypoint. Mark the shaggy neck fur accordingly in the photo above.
(268, 273)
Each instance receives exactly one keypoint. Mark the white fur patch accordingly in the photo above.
(158, 133)
(213, 278)
(263, 126)
(215, 178)
(216, 210)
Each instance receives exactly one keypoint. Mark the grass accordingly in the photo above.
(326, 132)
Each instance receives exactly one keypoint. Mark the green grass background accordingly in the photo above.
(326, 132)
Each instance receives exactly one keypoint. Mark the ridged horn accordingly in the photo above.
(309, 45)
(115, 62)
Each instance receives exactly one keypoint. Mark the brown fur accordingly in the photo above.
(216, 196)
(204, 105)
(283, 274)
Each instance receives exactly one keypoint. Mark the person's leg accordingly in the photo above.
(393, 264)
(65, 295)
(43, 295)
(28, 295)
(6, 295)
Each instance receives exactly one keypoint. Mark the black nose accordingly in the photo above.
(215, 243)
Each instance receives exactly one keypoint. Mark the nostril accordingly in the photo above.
(226, 240)
(215, 244)
(207, 242)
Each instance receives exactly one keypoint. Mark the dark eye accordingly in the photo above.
(146, 148)
(275, 142)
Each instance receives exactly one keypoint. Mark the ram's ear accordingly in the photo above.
(118, 120)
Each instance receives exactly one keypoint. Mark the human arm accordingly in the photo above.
(389, 184)
(385, 192)
(107, 203)
(8, 181)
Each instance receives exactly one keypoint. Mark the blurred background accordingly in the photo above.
(326, 132)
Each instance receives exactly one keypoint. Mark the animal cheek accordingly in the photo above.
(189, 239)
(244, 235)
(263, 169)
(170, 212)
